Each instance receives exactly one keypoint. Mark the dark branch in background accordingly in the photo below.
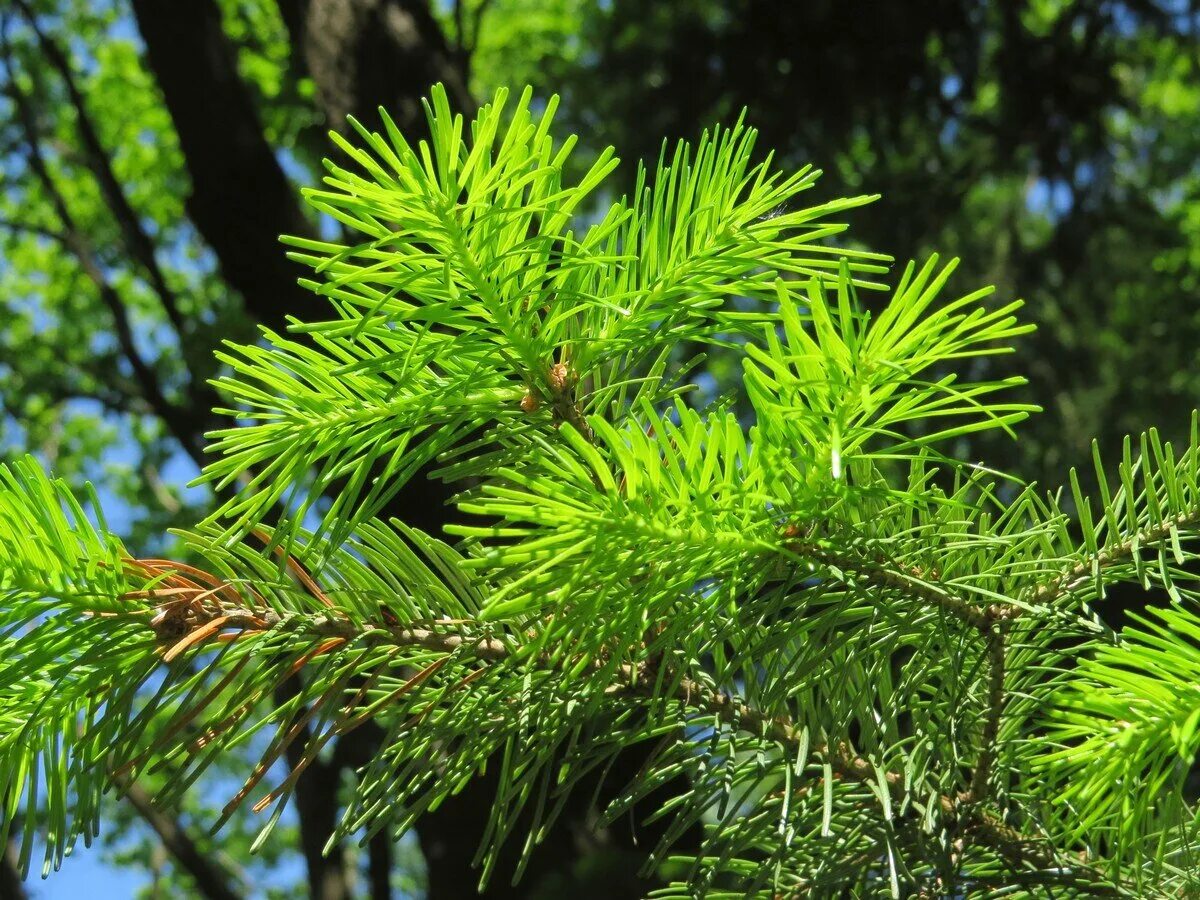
(11, 886)
(467, 37)
(136, 239)
(180, 421)
(352, 752)
(379, 866)
(209, 877)
(460, 35)
(32, 229)
(316, 801)
(113, 392)
(240, 200)
(363, 54)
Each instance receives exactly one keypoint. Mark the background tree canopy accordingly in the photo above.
(153, 152)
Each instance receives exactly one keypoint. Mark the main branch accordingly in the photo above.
(975, 823)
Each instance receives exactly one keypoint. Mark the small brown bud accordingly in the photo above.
(560, 378)
(530, 402)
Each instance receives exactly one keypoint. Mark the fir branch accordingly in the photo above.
(885, 574)
(973, 820)
(996, 639)
(639, 570)
(1093, 565)
(631, 680)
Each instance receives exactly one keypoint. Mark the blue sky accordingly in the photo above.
(85, 876)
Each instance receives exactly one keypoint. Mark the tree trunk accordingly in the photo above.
(240, 201)
(363, 54)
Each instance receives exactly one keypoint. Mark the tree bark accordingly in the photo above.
(363, 54)
(379, 866)
(241, 200)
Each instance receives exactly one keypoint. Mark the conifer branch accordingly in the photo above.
(888, 575)
(1087, 569)
(996, 640)
(623, 576)
(628, 679)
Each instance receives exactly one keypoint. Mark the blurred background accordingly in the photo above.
(151, 151)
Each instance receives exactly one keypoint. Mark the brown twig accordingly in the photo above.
(879, 571)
